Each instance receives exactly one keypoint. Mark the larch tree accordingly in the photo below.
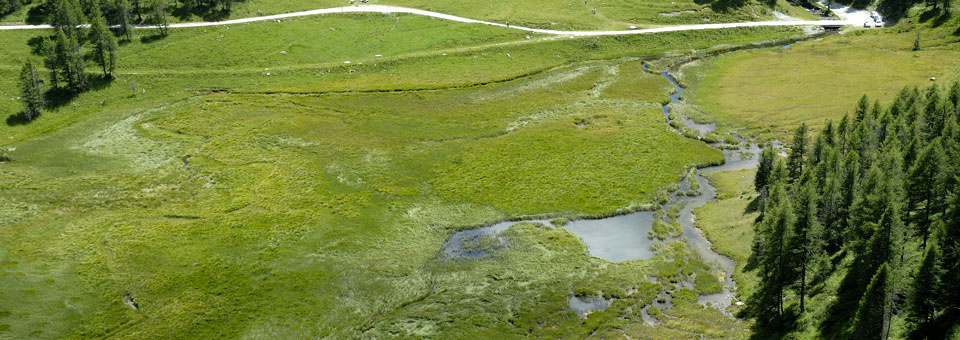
(124, 19)
(797, 152)
(869, 322)
(772, 253)
(764, 168)
(925, 188)
(159, 16)
(70, 62)
(67, 16)
(104, 43)
(922, 304)
(861, 111)
(949, 278)
(806, 239)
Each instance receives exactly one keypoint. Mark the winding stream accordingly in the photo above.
(626, 237)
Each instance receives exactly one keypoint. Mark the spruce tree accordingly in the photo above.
(869, 324)
(31, 91)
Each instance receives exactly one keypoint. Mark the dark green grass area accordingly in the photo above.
(227, 203)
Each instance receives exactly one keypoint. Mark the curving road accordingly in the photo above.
(396, 9)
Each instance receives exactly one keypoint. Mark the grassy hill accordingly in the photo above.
(229, 190)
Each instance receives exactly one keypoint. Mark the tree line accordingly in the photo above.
(81, 31)
(873, 198)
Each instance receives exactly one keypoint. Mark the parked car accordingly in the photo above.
(878, 23)
(867, 24)
(875, 15)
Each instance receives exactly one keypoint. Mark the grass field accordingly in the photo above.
(554, 14)
(229, 203)
(754, 89)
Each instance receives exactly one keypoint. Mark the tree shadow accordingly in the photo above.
(928, 15)
(35, 44)
(59, 97)
(942, 19)
(777, 328)
(148, 39)
(208, 12)
(844, 308)
(19, 118)
(38, 14)
(754, 205)
(721, 5)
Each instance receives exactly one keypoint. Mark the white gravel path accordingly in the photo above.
(851, 20)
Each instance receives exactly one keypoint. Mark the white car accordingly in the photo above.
(875, 15)
(878, 23)
(867, 24)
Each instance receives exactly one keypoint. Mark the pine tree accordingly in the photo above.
(104, 44)
(31, 91)
(869, 324)
(797, 152)
(922, 304)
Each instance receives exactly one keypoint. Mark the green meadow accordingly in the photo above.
(242, 192)
(771, 91)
